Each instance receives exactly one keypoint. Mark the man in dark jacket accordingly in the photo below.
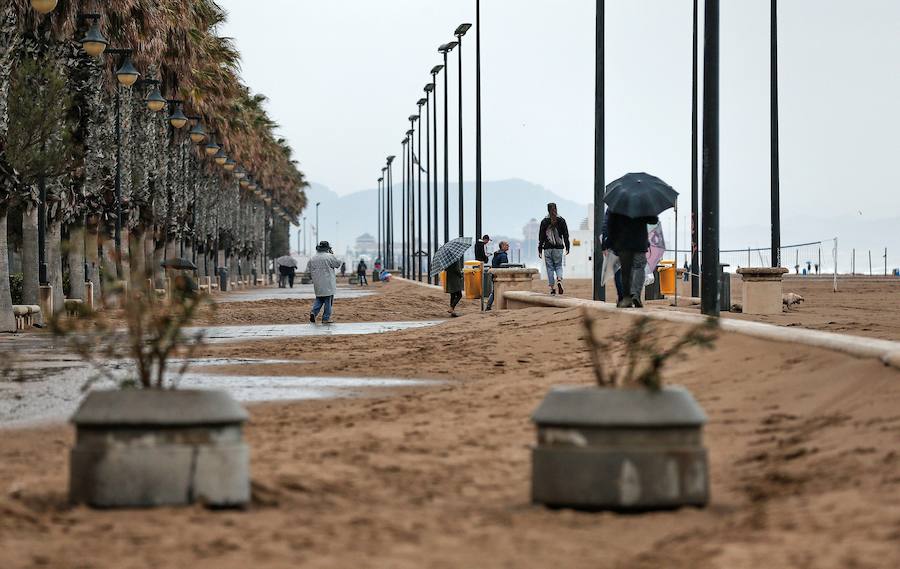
(628, 238)
(501, 257)
(604, 241)
(481, 251)
(553, 237)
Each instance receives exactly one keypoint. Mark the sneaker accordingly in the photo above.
(552, 292)
(328, 321)
(626, 302)
(559, 287)
(312, 318)
(637, 303)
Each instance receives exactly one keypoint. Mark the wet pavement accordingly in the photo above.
(299, 292)
(41, 381)
(216, 334)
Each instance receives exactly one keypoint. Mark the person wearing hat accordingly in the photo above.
(321, 269)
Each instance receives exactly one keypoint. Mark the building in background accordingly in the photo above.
(365, 245)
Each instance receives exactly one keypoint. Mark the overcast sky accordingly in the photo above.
(343, 75)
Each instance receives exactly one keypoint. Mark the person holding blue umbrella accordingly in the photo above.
(635, 201)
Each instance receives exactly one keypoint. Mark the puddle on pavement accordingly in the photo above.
(216, 334)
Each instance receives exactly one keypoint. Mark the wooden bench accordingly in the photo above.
(72, 306)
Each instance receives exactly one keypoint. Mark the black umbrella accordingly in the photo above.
(639, 195)
(178, 263)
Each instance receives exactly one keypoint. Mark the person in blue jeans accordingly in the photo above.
(321, 268)
(500, 258)
(553, 239)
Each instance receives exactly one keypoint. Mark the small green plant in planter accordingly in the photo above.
(148, 443)
(629, 443)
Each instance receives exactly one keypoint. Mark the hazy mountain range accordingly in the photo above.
(510, 204)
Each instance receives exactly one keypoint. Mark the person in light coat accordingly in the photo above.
(321, 269)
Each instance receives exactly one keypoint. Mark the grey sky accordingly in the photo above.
(342, 75)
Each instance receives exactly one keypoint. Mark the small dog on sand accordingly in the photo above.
(790, 299)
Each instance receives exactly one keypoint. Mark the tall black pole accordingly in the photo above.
(390, 235)
(418, 166)
(446, 152)
(462, 230)
(411, 200)
(710, 269)
(428, 168)
(599, 153)
(403, 225)
(776, 181)
(478, 118)
(378, 224)
(118, 235)
(695, 178)
(434, 73)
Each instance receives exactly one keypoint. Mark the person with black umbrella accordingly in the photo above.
(635, 201)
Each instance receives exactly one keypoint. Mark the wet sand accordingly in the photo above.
(803, 448)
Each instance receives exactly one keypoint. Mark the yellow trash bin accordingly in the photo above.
(667, 277)
(472, 279)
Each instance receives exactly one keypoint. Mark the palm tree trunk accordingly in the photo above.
(76, 261)
(108, 249)
(54, 263)
(137, 254)
(7, 320)
(159, 254)
(30, 255)
(92, 257)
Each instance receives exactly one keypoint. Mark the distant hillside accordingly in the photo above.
(508, 206)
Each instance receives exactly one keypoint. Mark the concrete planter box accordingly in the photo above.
(144, 448)
(619, 449)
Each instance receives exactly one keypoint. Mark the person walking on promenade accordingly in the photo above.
(501, 257)
(481, 249)
(553, 238)
(455, 285)
(629, 240)
(343, 268)
(361, 269)
(604, 242)
(321, 269)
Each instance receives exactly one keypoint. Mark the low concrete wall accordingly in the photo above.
(885, 350)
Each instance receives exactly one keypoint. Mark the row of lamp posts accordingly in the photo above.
(413, 245)
(95, 44)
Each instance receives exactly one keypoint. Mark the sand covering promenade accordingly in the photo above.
(804, 453)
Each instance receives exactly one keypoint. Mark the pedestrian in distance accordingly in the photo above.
(321, 269)
(604, 242)
(361, 269)
(628, 238)
(343, 268)
(455, 285)
(292, 272)
(482, 253)
(500, 258)
(553, 239)
(283, 272)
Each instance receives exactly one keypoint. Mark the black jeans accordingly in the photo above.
(455, 297)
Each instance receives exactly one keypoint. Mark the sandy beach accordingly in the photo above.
(803, 448)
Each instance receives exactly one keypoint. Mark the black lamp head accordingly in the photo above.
(422, 102)
(436, 69)
(429, 87)
(461, 30)
(447, 47)
(413, 118)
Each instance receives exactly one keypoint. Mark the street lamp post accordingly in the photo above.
(418, 163)
(317, 223)
(478, 119)
(776, 181)
(434, 73)
(126, 75)
(459, 33)
(445, 49)
(599, 292)
(390, 211)
(403, 213)
(428, 166)
(709, 289)
(695, 178)
(411, 133)
(378, 219)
